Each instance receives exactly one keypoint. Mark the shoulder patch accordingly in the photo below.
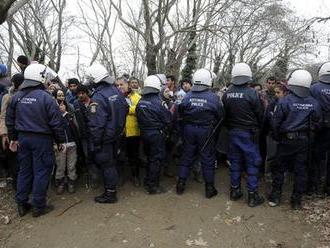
(93, 107)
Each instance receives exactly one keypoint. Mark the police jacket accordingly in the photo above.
(321, 92)
(34, 110)
(152, 113)
(243, 108)
(107, 114)
(201, 107)
(296, 114)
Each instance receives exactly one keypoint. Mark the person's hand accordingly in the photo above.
(13, 146)
(61, 147)
(167, 93)
(5, 142)
(62, 108)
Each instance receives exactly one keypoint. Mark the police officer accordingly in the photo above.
(201, 110)
(153, 118)
(294, 117)
(34, 121)
(244, 114)
(106, 124)
(321, 92)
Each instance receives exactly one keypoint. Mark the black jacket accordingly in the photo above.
(243, 108)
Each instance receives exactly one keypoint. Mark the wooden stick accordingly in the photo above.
(69, 207)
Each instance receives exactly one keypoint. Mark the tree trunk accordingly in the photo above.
(173, 64)
(11, 47)
(151, 58)
(191, 59)
(4, 8)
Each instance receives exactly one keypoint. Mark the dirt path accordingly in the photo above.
(167, 220)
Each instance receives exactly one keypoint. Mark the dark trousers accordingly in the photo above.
(194, 138)
(106, 160)
(320, 168)
(35, 157)
(92, 170)
(294, 153)
(243, 154)
(132, 153)
(154, 146)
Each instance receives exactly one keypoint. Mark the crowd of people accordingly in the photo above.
(90, 129)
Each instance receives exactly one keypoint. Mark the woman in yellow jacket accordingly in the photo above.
(132, 132)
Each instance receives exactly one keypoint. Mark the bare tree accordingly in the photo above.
(38, 29)
(8, 8)
(99, 29)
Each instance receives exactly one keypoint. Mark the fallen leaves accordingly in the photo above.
(4, 219)
(318, 214)
(196, 242)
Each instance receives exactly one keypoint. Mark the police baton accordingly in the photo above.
(212, 134)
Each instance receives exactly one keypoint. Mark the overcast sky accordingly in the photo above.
(304, 8)
(311, 8)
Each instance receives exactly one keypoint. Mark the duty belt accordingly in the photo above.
(326, 120)
(295, 135)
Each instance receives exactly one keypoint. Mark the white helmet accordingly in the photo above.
(203, 77)
(324, 72)
(241, 74)
(299, 82)
(96, 73)
(300, 78)
(36, 74)
(152, 84)
(162, 78)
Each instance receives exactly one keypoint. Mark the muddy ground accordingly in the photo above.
(167, 220)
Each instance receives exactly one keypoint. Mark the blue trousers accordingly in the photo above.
(294, 153)
(193, 139)
(155, 149)
(243, 154)
(106, 160)
(35, 157)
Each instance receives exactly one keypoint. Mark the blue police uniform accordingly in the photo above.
(106, 124)
(294, 117)
(34, 120)
(244, 115)
(201, 110)
(321, 92)
(153, 118)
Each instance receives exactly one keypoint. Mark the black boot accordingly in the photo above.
(235, 193)
(180, 186)
(254, 199)
(23, 208)
(109, 196)
(210, 190)
(60, 186)
(156, 190)
(274, 198)
(135, 179)
(327, 190)
(296, 203)
(36, 212)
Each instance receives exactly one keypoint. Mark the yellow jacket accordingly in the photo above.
(131, 126)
